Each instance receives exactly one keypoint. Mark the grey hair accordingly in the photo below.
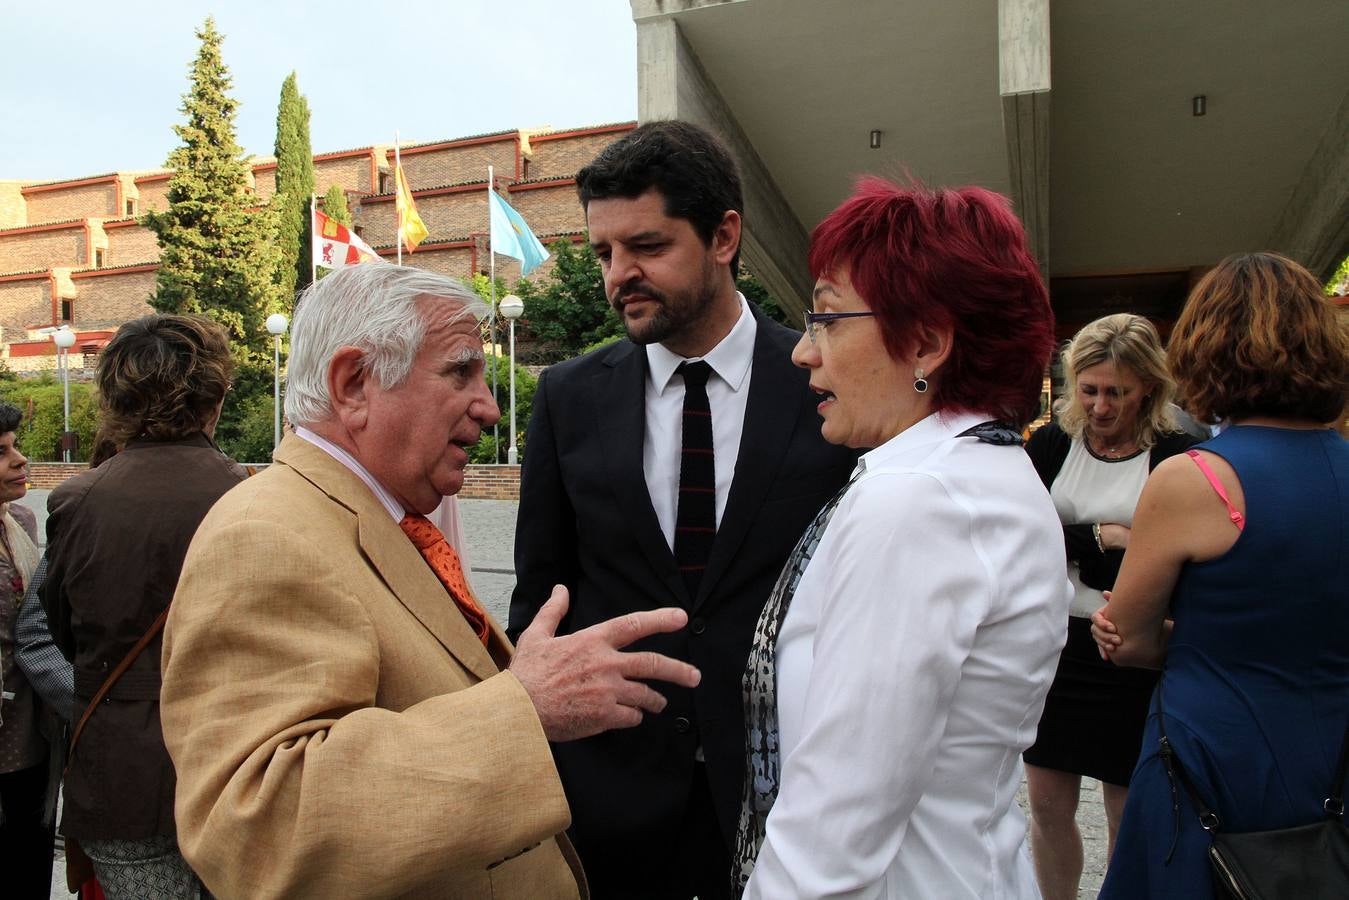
(374, 308)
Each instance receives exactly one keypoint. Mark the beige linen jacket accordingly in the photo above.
(337, 728)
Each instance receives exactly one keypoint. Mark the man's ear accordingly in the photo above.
(726, 238)
(348, 387)
(933, 347)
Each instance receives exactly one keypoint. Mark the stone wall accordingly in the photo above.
(55, 203)
(480, 482)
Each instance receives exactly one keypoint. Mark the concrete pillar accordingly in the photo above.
(1023, 71)
(672, 84)
(1314, 225)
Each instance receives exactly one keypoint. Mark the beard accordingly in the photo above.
(676, 314)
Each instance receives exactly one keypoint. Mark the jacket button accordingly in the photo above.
(682, 725)
(697, 626)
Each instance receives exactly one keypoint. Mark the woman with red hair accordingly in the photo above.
(901, 663)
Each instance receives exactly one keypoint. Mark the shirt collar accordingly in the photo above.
(730, 359)
(937, 427)
(392, 506)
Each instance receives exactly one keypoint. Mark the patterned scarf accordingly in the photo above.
(760, 691)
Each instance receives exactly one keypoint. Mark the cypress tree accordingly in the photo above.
(294, 186)
(217, 257)
(335, 205)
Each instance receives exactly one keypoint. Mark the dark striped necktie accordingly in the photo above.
(696, 519)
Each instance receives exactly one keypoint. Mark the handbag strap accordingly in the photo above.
(1208, 819)
(108, 682)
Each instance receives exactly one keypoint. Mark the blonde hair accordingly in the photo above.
(1131, 342)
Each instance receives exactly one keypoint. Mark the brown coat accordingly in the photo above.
(338, 729)
(116, 538)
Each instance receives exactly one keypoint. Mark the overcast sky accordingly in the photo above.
(88, 88)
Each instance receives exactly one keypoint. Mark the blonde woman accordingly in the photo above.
(1114, 426)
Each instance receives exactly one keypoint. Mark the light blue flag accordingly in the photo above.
(512, 237)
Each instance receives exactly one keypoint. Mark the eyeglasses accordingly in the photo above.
(815, 319)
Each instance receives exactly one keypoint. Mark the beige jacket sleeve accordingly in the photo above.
(325, 743)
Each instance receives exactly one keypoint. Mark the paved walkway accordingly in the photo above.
(490, 525)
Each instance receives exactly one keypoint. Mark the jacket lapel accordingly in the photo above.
(771, 413)
(621, 422)
(391, 554)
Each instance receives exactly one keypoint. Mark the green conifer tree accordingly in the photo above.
(335, 205)
(294, 187)
(216, 249)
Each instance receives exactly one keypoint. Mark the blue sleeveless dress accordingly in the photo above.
(1256, 679)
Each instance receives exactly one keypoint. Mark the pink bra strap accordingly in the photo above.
(1237, 518)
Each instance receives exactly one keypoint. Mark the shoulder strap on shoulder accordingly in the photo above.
(1232, 512)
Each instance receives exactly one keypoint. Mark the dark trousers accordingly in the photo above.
(26, 842)
(698, 864)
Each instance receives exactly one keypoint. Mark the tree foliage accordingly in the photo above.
(335, 205)
(39, 434)
(566, 311)
(216, 250)
(294, 187)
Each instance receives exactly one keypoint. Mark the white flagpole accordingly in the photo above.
(313, 237)
(397, 168)
(492, 278)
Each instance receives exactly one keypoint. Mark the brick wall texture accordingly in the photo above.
(264, 184)
(28, 250)
(23, 303)
(456, 165)
(129, 244)
(110, 296)
(58, 204)
(549, 210)
(154, 195)
(564, 156)
(50, 475)
(351, 172)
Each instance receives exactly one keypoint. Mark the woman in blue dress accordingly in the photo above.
(1234, 580)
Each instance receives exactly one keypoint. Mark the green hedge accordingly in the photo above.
(40, 435)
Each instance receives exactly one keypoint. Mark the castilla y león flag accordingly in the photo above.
(336, 245)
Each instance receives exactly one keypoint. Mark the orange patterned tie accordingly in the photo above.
(442, 559)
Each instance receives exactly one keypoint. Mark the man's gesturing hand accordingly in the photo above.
(582, 684)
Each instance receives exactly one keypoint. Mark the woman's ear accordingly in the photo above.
(932, 346)
(349, 388)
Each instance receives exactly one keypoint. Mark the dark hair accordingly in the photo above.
(10, 417)
(1258, 337)
(161, 377)
(690, 168)
(950, 257)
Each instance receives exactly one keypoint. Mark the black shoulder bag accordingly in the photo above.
(1309, 862)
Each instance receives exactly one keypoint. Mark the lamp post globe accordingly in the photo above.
(64, 339)
(276, 326)
(512, 307)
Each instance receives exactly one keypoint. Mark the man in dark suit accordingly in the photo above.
(631, 500)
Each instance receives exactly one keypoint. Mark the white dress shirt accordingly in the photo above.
(727, 393)
(912, 668)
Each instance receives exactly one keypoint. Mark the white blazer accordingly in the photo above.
(912, 669)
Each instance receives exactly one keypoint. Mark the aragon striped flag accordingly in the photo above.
(411, 229)
(335, 245)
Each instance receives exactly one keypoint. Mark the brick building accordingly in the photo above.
(74, 252)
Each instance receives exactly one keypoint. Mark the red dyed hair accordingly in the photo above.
(949, 257)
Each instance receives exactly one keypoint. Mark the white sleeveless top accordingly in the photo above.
(1088, 490)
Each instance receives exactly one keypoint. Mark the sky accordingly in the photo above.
(88, 88)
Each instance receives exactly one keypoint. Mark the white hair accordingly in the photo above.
(373, 307)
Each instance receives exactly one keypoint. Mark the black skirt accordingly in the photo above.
(1094, 715)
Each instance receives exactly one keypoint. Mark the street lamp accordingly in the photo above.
(64, 339)
(512, 307)
(276, 325)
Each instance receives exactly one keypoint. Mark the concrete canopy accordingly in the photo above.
(1122, 179)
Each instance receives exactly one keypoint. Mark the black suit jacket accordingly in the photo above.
(586, 521)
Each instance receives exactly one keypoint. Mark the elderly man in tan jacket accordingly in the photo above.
(344, 719)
